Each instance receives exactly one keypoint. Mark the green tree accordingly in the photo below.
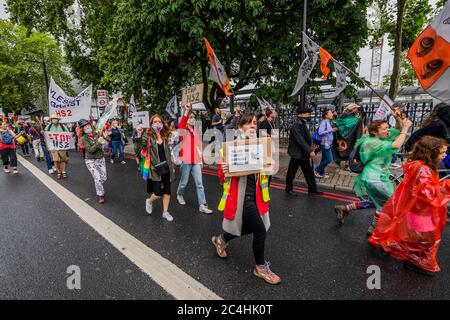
(22, 82)
(403, 21)
(158, 45)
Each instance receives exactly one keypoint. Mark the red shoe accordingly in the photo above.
(101, 199)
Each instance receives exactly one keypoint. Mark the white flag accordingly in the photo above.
(69, 109)
(341, 80)
(172, 107)
(311, 49)
(131, 107)
(384, 109)
(262, 104)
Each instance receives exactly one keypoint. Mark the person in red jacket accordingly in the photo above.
(413, 219)
(191, 159)
(245, 204)
(8, 148)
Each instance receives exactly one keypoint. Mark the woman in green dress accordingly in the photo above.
(376, 150)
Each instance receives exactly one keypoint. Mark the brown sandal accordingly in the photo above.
(220, 247)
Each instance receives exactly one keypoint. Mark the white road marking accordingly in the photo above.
(166, 274)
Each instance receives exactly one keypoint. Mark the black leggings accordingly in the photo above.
(9, 157)
(252, 223)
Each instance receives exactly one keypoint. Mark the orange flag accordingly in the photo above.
(325, 57)
(217, 72)
(430, 56)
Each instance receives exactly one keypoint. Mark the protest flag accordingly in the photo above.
(325, 58)
(217, 72)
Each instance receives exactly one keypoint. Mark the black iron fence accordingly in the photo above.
(416, 112)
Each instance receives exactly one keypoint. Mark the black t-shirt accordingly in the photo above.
(216, 118)
(266, 125)
(161, 152)
(250, 190)
(115, 135)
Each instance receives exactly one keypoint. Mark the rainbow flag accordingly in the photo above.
(145, 169)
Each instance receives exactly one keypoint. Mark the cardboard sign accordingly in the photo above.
(59, 141)
(193, 94)
(142, 119)
(246, 157)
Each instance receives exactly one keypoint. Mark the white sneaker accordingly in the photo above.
(181, 200)
(148, 206)
(6, 170)
(112, 161)
(15, 171)
(123, 162)
(51, 171)
(167, 216)
(204, 209)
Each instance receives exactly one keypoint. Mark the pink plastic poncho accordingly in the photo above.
(413, 219)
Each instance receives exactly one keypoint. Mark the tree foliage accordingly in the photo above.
(158, 45)
(22, 81)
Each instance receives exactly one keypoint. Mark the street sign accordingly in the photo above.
(193, 94)
(102, 98)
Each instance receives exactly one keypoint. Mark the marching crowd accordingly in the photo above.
(408, 220)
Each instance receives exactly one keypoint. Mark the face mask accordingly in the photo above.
(157, 127)
(191, 122)
(55, 121)
(88, 131)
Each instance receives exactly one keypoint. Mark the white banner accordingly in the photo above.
(142, 119)
(384, 109)
(59, 141)
(69, 109)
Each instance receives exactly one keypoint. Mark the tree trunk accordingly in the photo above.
(397, 50)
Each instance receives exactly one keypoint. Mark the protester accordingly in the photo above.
(325, 132)
(245, 203)
(301, 152)
(216, 120)
(437, 124)
(8, 148)
(22, 139)
(59, 157)
(191, 159)
(376, 150)
(269, 121)
(48, 158)
(412, 221)
(233, 121)
(36, 133)
(155, 141)
(117, 137)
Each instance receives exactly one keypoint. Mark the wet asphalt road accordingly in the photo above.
(316, 259)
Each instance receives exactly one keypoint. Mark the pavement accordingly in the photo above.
(316, 258)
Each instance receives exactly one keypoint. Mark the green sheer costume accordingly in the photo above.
(376, 154)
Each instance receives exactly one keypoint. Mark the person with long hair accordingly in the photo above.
(437, 124)
(412, 221)
(245, 204)
(94, 157)
(191, 159)
(8, 148)
(376, 150)
(155, 142)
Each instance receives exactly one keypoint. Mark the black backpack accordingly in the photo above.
(354, 160)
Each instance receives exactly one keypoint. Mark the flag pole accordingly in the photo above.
(366, 83)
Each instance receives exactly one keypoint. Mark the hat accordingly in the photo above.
(303, 110)
(83, 122)
(350, 107)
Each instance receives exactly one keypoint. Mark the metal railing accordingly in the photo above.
(416, 112)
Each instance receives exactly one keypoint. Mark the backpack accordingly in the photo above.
(316, 138)
(354, 160)
(7, 138)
